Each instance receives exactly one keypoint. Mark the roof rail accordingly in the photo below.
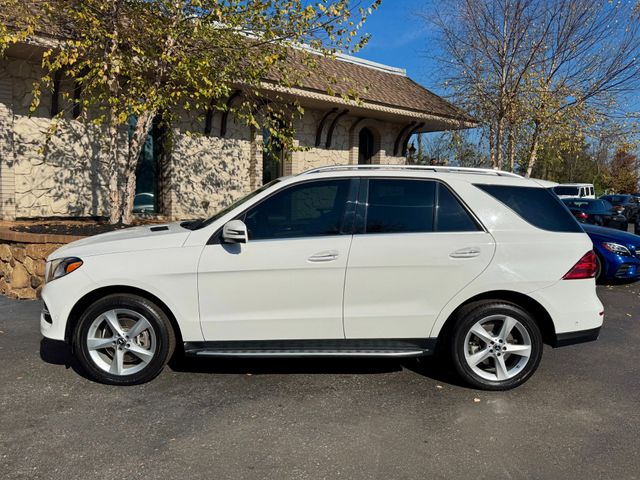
(434, 168)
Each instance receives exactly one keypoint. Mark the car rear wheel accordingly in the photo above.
(495, 345)
(598, 274)
(123, 339)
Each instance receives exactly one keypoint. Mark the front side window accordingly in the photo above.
(310, 209)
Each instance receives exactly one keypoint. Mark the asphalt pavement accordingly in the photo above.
(578, 417)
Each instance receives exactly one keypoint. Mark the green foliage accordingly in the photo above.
(605, 162)
(145, 58)
(622, 176)
(533, 71)
(16, 23)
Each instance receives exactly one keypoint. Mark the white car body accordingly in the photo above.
(379, 286)
(361, 287)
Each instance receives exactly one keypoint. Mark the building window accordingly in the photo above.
(272, 157)
(366, 149)
(148, 170)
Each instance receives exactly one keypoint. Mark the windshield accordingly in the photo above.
(560, 190)
(196, 225)
(616, 199)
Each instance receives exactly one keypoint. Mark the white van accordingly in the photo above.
(568, 190)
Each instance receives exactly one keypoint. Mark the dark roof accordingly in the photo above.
(378, 86)
(373, 85)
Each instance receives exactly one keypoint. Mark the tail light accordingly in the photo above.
(582, 216)
(618, 208)
(585, 268)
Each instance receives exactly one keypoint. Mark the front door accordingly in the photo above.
(287, 282)
(415, 247)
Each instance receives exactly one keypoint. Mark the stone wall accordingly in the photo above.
(207, 172)
(54, 174)
(65, 174)
(22, 267)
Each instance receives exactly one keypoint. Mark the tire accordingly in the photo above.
(598, 269)
(466, 347)
(111, 356)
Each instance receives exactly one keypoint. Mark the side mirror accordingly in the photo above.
(235, 231)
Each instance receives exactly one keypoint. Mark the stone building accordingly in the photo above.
(66, 176)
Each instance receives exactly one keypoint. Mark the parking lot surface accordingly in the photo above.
(578, 417)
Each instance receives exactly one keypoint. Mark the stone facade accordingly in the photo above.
(22, 268)
(64, 174)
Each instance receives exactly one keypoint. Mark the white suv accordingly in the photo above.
(339, 261)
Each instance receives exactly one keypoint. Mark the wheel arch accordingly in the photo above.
(539, 313)
(83, 303)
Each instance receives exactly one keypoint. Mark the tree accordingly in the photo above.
(16, 22)
(623, 172)
(538, 68)
(489, 47)
(150, 59)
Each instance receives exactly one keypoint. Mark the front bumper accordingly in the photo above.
(59, 297)
(622, 267)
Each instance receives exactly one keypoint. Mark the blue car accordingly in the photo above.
(617, 252)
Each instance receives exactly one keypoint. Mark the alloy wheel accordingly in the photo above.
(121, 341)
(497, 347)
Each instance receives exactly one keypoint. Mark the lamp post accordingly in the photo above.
(412, 153)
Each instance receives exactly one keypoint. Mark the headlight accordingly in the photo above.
(616, 248)
(61, 267)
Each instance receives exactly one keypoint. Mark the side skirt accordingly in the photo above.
(413, 347)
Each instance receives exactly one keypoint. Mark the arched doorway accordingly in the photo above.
(366, 148)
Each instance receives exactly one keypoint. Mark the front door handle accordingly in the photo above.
(324, 256)
(467, 252)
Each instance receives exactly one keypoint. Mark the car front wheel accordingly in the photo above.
(495, 345)
(123, 339)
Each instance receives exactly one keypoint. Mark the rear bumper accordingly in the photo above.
(574, 308)
(581, 336)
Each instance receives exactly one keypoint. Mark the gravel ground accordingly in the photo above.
(578, 417)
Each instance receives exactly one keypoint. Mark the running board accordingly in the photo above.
(402, 348)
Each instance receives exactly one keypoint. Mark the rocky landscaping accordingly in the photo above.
(23, 256)
(22, 268)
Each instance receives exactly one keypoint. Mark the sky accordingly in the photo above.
(400, 38)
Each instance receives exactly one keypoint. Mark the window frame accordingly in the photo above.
(362, 207)
(350, 208)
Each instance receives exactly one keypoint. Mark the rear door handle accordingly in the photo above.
(324, 256)
(467, 252)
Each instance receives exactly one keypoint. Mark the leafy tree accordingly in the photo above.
(530, 70)
(623, 173)
(17, 22)
(156, 58)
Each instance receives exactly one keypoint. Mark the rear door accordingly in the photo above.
(415, 247)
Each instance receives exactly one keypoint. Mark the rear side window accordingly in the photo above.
(535, 205)
(415, 206)
(451, 216)
(400, 206)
